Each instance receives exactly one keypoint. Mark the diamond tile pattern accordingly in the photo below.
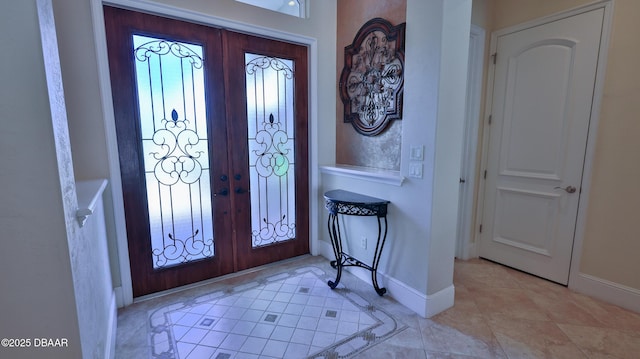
(292, 314)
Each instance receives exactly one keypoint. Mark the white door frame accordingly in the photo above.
(465, 248)
(124, 293)
(575, 276)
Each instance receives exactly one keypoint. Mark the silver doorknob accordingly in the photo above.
(569, 189)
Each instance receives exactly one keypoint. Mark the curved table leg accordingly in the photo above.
(377, 254)
(334, 235)
(334, 284)
(374, 280)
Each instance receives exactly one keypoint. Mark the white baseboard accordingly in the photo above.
(424, 305)
(110, 345)
(440, 301)
(119, 297)
(607, 291)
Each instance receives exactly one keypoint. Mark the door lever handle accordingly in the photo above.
(568, 189)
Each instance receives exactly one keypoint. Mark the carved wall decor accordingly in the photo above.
(372, 80)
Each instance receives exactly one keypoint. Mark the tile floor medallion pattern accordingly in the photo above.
(292, 315)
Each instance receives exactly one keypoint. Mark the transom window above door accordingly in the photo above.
(290, 7)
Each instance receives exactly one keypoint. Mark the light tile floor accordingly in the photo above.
(498, 313)
(293, 314)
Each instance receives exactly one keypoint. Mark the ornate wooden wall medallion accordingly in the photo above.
(372, 80)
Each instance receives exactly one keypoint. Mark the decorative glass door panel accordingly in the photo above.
(173, 127)
(270, 171)
(270, 121)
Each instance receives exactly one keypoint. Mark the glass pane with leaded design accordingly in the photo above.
(270, 113)
(173, 128)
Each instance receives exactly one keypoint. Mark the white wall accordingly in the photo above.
(449, 141)
(37, 196)
(94, 294)
(80, 75)
(55, 276)
(417, 261)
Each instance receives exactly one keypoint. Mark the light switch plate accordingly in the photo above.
(415, 169)
(417, 153)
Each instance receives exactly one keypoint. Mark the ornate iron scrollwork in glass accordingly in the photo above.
(271, 116)
(173, 130)
(372, 80)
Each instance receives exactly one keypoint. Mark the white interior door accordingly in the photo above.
(543, 90)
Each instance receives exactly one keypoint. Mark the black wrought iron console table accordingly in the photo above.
(355, 204)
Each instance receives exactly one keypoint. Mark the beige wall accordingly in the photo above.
(482, 13)
(512, 12)
(612, 240)
(611, 243)
(381, 151)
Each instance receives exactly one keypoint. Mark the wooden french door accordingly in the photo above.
(212, 141)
